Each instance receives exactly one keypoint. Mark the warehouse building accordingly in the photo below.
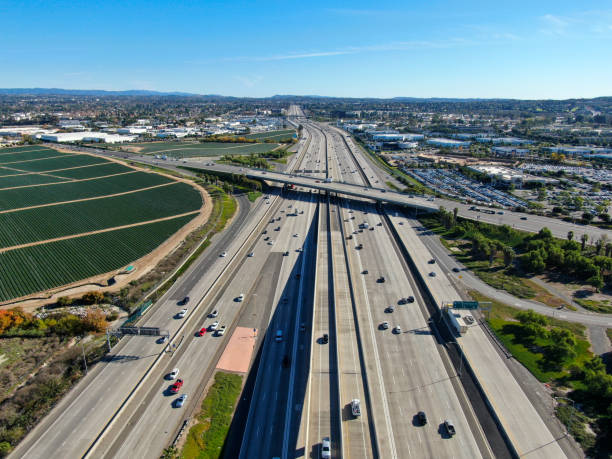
(87, 136)
(449, 143)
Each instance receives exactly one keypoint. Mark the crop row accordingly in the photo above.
(21, 149)
(39, 224)
(107, 168)
(220, 149)
(27, 179)
(66, 160)
(9, 158)
(32, 269)
(272, 135)
(69, 191)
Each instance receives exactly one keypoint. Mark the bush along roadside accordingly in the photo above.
(557, 353)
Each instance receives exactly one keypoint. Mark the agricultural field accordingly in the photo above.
(272, 135)
(194, 149)
(66, 217)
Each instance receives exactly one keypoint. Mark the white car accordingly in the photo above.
(173, 374)
(397, 330)
(181, 400)
(240, 297)
(215, 313)
(213, 326)
(325, 448)
(223, 254)
(182, 313)
(270, 242)
(250, 255)
(221, 331)
(296, 235)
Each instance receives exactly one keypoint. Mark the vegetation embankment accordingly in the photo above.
(506, 258)
(258, 160)
(42, 356)
(206, 439)
(557, 352)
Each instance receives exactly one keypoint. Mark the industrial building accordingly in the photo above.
(507, 176)
(87, 136)
(511, 152)
(449, 143)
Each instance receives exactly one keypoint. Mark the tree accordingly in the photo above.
(508, 255)
(584, 238)
(608, 249)
(596, 280)
(94, 320)
(93, 297)
(604, 217)
(587, 217)
(64, 301)
(570, 235)
(562, 346)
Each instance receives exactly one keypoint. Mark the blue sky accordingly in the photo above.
(520, 49)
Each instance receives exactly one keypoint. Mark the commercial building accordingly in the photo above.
(449, 143)
(511, 152)
(87, 136)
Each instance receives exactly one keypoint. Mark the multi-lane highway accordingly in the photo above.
(340, 312)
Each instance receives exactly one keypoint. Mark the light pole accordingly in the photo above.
(84, 358)
(569, 422)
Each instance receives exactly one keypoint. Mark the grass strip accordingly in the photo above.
(205, 439)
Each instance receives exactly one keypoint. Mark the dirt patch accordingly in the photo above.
(237, 354)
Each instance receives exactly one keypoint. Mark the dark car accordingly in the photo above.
(432, 261)
(381, 279)
(389, 309)
(410, 299)
(523, 218)
(422, 417)
(402, 301)
(365, 271)
(456, 270)
(325, 339)
(184, 301)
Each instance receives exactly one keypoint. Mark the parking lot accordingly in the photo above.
(456, 185)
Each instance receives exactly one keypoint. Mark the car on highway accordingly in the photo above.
(184, 301)
(432, 274)
(221, 331)
(456, 270)
(176, 387)
(384, 325)
(325, 448)
(450, 427)
(180, 401)
(182, 313)
(267, 238)
(410, 299)
(270, 242)
(389, 309)
(523, 218)
(422, 417)
(213, 326)
(432, 261)
(277, 228)
(397, 329)
(296, 235)
(240, 297)
(359, 247)
(251, 254)
(402, 301)
(173, 374)
(356, 407)
(279, 336)
(223, 254)
(365, 271)
(381, 280)
(162, 340)
(325, 338)
(202, 331)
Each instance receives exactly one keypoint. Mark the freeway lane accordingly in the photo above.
(412, 374)
(78, 418)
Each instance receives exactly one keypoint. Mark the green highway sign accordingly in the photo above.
(465, 304)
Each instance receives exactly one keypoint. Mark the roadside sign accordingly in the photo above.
(465, 304)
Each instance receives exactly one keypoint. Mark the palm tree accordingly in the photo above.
(584, 238)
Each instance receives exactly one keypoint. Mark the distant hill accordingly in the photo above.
(89, 92)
